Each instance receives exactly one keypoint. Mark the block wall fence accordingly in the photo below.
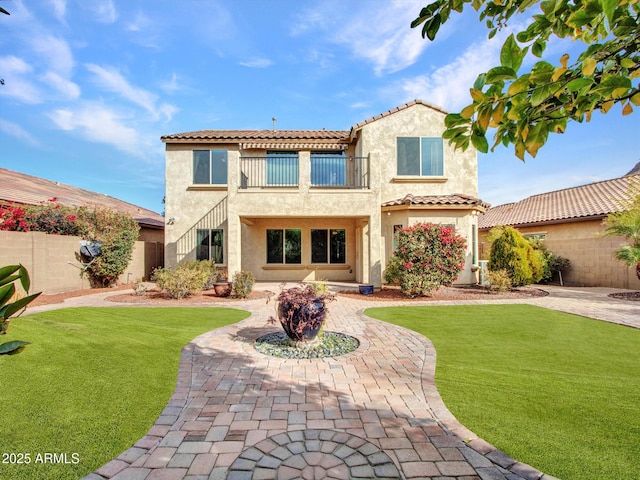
(52, 264)
(592, 256)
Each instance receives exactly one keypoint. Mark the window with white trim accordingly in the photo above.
(420, 156)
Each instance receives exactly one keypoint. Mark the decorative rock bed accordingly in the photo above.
(332, 344)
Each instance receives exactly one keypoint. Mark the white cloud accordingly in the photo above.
(98, 123)
(59, 9)
(55, 52)
(257, 63)
(168, 111)
(67, 88)
(112, 80)
(139, 23)
(17, 84)
(171, 86)
(448, 86)
(17, 131)
(106, 11)
(376, 31)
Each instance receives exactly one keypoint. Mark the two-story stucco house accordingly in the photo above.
(292, 205)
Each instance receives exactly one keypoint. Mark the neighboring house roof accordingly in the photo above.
(21, 188)
(586, 202)
(455, 200)
(358, 126)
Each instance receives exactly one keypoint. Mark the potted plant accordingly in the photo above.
(222, 286)
(301, 312)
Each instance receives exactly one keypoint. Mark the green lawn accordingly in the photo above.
(92, 383)
(557, 391)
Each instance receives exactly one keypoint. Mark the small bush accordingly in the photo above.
(513, 253)
(181, 281)
(393, 271)
(499, 281)
(140, 287)
(243, 282)
(213, 273)
(321, 287)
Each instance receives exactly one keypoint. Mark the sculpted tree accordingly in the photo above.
(524, 107)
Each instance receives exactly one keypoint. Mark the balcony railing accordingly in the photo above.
(269, 171)
(327, 171)
(335, 171)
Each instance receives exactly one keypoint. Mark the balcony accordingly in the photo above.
(283, 171)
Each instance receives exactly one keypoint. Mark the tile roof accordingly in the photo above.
(233, 136)
(18, 187)
(240, 136)
(457, 199)
(586, 202)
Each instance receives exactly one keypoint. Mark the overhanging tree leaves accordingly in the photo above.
(524, 108)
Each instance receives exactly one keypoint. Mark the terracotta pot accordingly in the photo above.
(222, 289)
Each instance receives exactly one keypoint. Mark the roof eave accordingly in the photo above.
(557, 221)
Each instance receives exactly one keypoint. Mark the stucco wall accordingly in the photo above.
(255, 252)
(592, 256)
(380, 138)
(51, 263)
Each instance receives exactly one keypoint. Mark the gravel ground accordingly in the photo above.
(155, 296)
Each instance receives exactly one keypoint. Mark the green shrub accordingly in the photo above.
(181, 281)
(392, 272)
(213, 273)
(243, 282)
(117, 231)
(513, 253)
(499, 281)
(428, 257)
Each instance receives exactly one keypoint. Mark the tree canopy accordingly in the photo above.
(524, 107)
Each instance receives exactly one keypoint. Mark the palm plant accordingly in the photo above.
(9, 306)
(627, 224)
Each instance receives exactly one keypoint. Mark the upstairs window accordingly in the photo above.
(420, 156)
(210, 167)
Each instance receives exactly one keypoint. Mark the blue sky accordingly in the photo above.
(92, 85)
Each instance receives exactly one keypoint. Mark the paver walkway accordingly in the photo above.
(374, 413)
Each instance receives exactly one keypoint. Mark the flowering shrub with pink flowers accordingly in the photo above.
(48, 217)
(427, 256)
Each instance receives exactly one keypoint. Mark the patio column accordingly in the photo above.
(234, 228)
(304, 171)
(374, 230)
